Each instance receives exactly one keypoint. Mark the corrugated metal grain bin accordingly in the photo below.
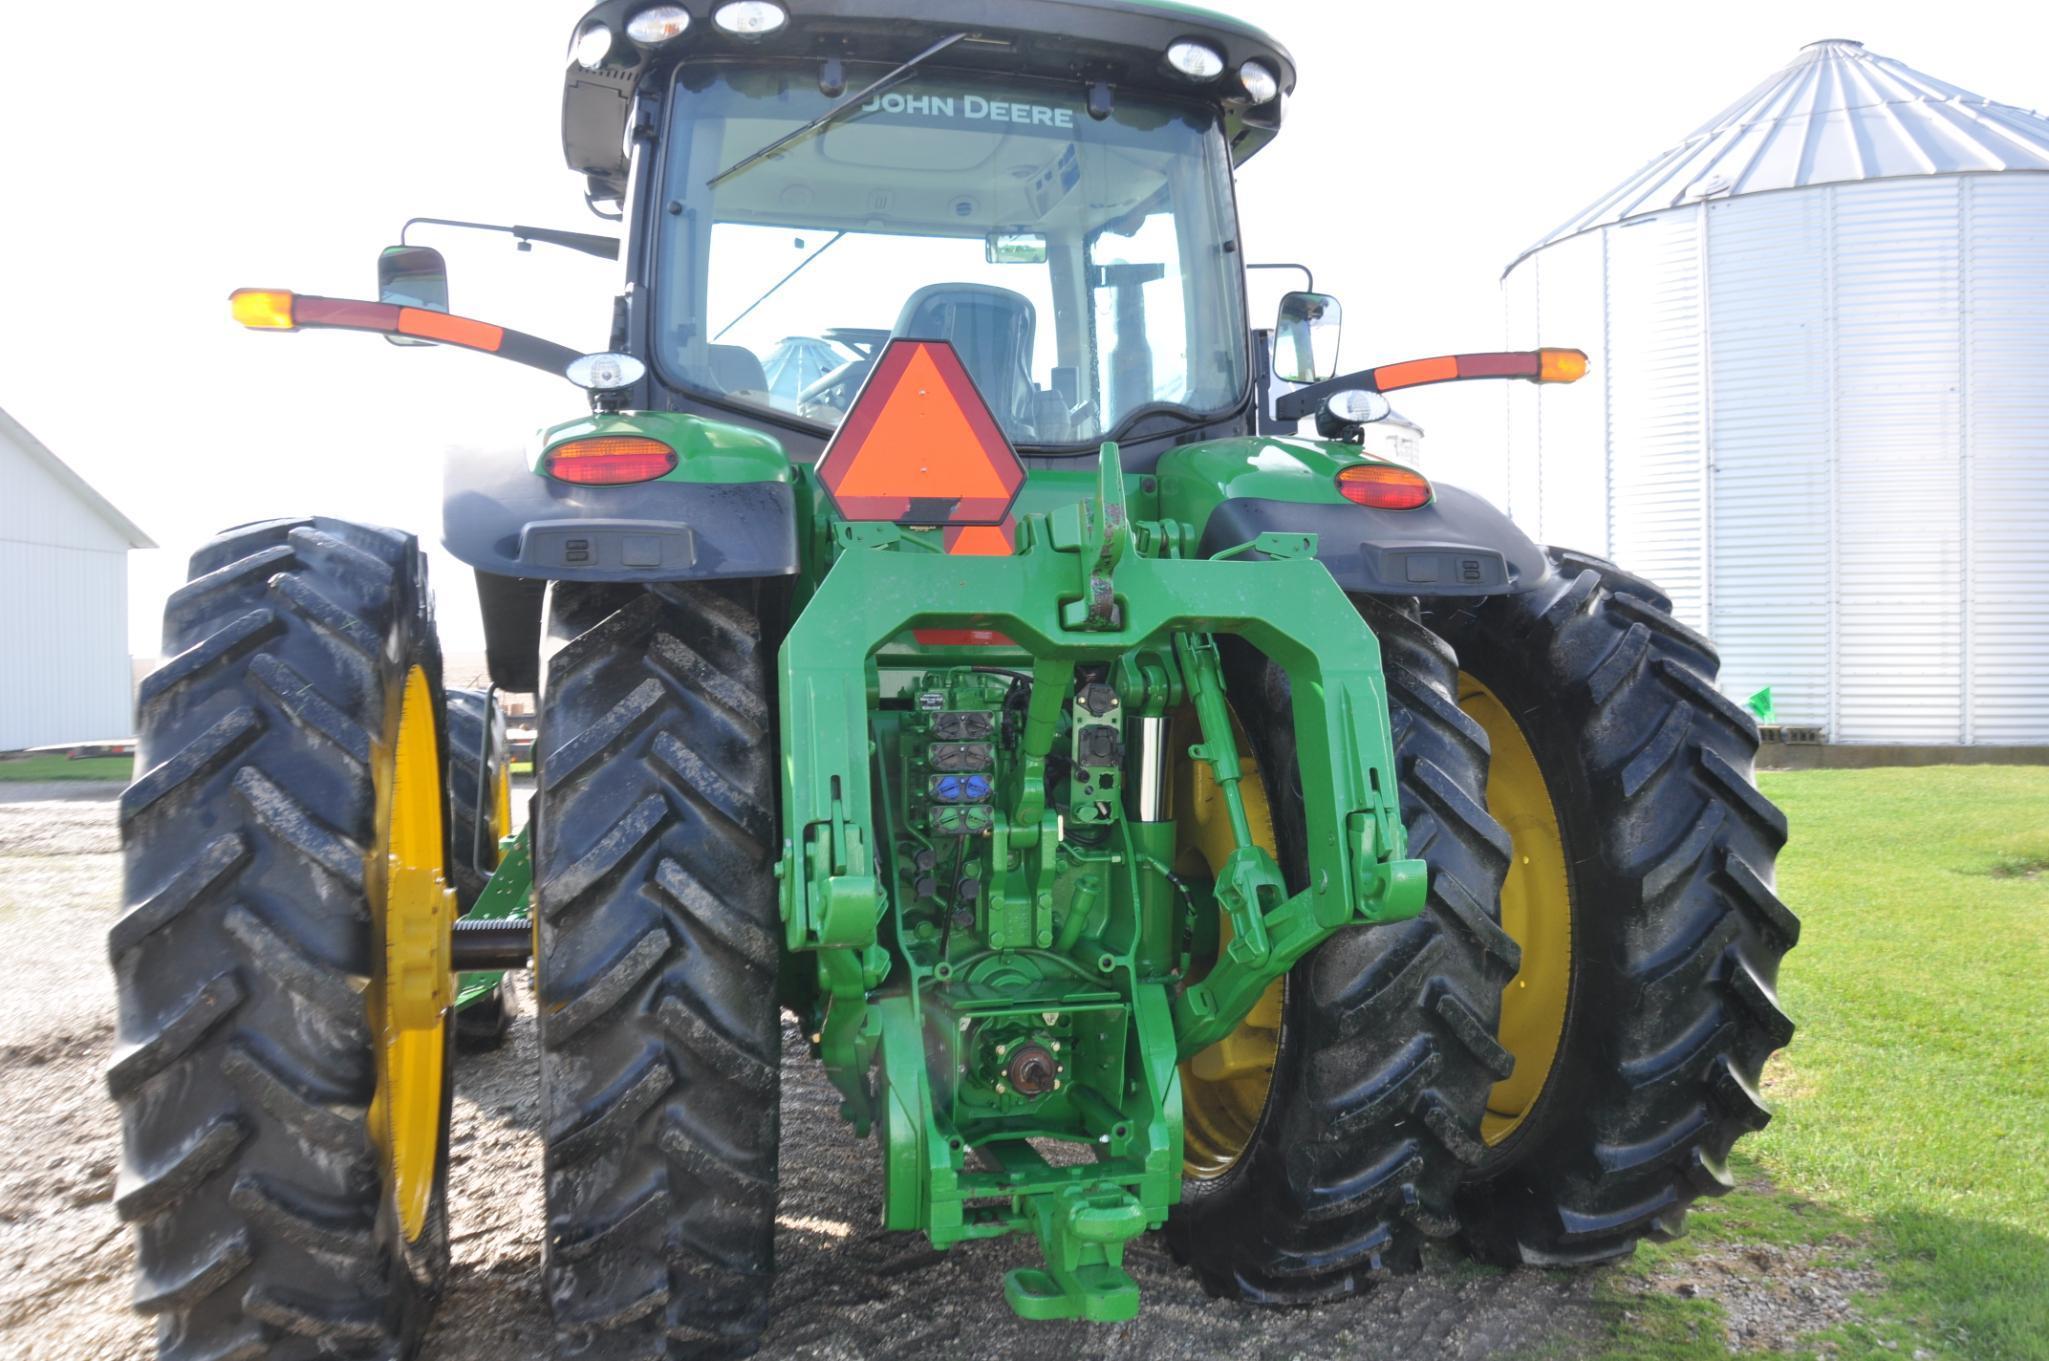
(1819, 409)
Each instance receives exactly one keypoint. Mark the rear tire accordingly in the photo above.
(479, 760)
(1387, 1050)
(247, 1069)
(659, 943)
(1675, 931)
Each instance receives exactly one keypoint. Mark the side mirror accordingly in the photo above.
(412, 276)
(1306, 338)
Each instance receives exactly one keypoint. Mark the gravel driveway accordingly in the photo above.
(846, 1289)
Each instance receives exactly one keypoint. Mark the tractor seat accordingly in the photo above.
(992, 330)
(737, 372)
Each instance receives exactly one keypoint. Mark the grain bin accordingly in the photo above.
(1819, 414)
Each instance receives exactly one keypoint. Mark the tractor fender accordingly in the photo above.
(1458, 544)
(728, 510)
(501, 516)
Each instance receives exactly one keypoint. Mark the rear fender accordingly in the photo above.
(728, 509)
(1234, 490)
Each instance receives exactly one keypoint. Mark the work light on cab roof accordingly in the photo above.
(1196, 60)
(652, 27)
(750, 18)
(1260, 83)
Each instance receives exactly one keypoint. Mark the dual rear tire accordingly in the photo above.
(1551, 1079)
(1386, 1046)
(284, 1057)
(284, 1100)
(659, 937)
(1644, 894)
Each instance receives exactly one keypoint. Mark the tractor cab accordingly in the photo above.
(819, 179)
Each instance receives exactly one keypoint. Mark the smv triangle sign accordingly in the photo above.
(920, 446)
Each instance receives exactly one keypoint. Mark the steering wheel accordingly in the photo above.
(838, 388)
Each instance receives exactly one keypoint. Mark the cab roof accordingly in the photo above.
(1121, 43)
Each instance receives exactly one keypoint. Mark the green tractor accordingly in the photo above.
(1153, 819)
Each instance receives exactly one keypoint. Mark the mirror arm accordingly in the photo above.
(1308, 275)
(1305, 401)
(1535, 366)
(308, 312)
(590, 243)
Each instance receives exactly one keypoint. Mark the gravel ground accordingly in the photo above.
(1771, 1296)
(846, 1289)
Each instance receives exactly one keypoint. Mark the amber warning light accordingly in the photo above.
(920, 446)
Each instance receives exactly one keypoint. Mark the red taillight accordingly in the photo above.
(609, 460)
(1383, 486)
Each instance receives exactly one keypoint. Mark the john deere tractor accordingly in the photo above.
(1153, 819)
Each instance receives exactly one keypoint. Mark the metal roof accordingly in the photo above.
(15, 433)
(1836, 113)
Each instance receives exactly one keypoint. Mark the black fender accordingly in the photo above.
(1457, 545)
(520, 530)
(499, 516)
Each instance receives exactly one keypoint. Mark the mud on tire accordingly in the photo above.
(1387, 1046)
(1676, 931)
(245, 1069)
(659, 939)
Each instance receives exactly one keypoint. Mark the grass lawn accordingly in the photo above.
(60, 767)
(1912, 1134)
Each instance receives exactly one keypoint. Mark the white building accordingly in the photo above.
(1818, 413)
(63, 601)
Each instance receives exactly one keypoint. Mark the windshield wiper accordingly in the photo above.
(833, 114)
(777, 285)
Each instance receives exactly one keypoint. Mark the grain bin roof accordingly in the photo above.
(1836, 113)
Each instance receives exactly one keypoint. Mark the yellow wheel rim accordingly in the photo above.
(410, 995)
(1224, 1088)
(1536, 909)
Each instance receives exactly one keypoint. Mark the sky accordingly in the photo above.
(154, 157)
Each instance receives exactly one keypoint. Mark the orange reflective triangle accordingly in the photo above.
(983, 541)
(920, 446)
